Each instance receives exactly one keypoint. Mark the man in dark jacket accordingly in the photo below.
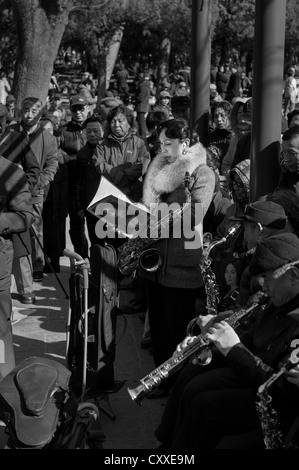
(209, 403)
(72, 138)
(28, 144)
(16, 215)
(87, 177)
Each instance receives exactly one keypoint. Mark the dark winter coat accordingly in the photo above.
(143, 96)
(87, 177)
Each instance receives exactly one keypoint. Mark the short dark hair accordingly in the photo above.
(291, 132)
(290, 115)
(225, 105)
(93, 118)
(154, 119)
(123, 110)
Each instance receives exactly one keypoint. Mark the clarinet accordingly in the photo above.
(179, 359)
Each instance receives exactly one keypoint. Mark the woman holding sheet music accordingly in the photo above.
(174, 287)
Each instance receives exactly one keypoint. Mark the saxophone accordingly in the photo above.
(137, 252)
(270, 425)
(179, 358)
(209, 278)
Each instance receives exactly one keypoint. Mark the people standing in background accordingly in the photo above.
(222, 79)
(143, 106)
(16, 215)
(55, 207)
(290, 91)
(29, 145)
(87, 177)
(3, 118)
(163, 104)
(72, 138)
(14, 113)
(5, 88)
(234, 84)
(122, 76)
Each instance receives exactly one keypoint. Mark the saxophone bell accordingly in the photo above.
(150, 260)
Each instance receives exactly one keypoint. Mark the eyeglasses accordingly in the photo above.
(74, 109)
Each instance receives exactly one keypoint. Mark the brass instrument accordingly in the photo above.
(209, 278)
(137, 252)
(198, 346)
(272, 434)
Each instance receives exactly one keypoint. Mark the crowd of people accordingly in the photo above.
(149, 151)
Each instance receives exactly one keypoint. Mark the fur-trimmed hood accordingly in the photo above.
(166, 173)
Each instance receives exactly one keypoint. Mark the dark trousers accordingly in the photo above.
(204, 406)
(77, 229)
(170, 310)
(54, 235)
(7, 357)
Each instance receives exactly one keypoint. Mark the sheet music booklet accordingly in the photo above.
(117, 210)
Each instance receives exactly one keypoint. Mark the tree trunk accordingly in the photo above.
(40, 26)
(112, 54)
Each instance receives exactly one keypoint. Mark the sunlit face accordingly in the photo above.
(221, 120)
(290, 150)
(251, 234)
(231, 276)
(49, 127)
(173, 147)
(119, 125)
(94, 132)
(279, 290)
(79, 112)
(31, 113)
(165, 101)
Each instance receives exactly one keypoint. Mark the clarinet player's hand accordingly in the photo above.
(223, 336)
(185, 342)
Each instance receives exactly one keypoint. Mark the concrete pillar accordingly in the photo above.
(268, 65)
(200, 67)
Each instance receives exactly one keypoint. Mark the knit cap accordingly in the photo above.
(274, 252)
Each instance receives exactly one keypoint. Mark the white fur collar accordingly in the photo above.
(165, 174)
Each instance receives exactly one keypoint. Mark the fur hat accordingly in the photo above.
(266, 213)
(273, 252)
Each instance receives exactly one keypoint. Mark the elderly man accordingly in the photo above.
(30, 145)
(209, 403)
(16, 215)
(72, 137)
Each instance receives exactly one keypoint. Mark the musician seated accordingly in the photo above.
(208, 403)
